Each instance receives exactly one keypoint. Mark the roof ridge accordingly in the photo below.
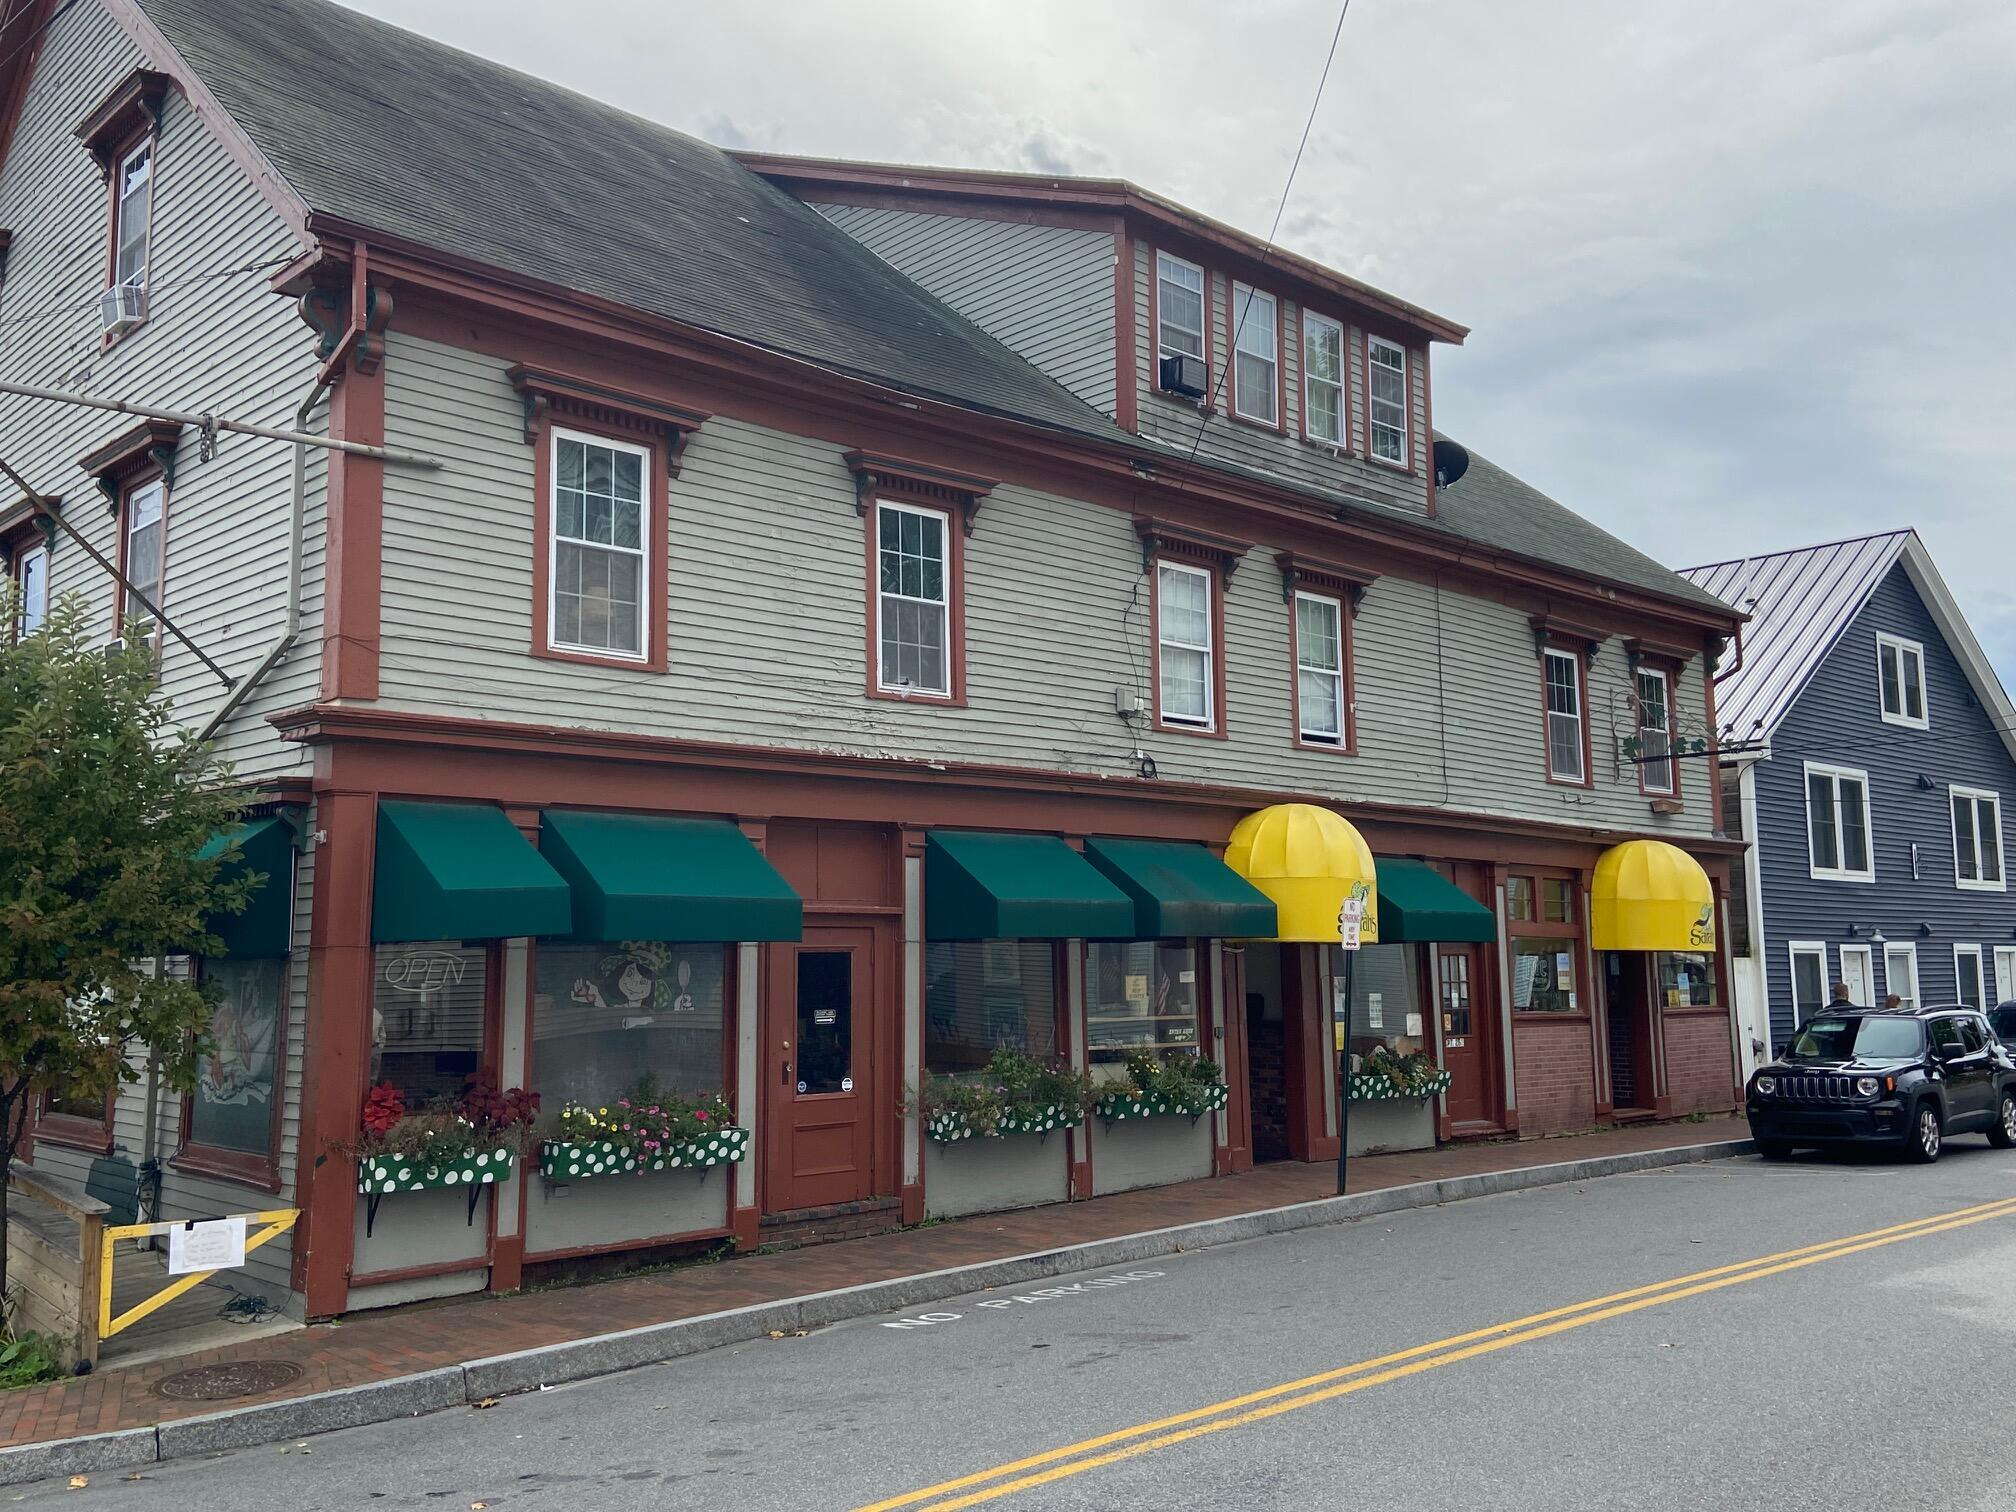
(1765, 556)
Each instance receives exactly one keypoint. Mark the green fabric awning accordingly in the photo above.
(1417, 904)
(461, 871)
(652, 877)
(1181, 890)
(266, 927)
(984, 886)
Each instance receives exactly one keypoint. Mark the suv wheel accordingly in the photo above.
(2002, 1133)
(1774, 1149)
(1925, 1138)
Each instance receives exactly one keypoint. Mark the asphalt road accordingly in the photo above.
(1867, 1372)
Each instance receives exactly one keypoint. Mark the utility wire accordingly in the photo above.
(73, 307)
(1232, 353)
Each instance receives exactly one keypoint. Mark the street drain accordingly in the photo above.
(220, 1383)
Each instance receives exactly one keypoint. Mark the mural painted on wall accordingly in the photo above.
(232, 1108)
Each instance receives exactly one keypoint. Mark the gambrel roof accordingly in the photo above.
(1802, 602)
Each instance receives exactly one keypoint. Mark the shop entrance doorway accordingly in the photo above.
(819, 1034)
(1267, 1050)
(1469, 1036)
(1627, 998)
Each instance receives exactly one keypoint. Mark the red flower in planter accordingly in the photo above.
(384, 1106)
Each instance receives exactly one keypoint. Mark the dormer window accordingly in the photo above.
(1179, 308)
(1386, 374)
(1900, 670)
(1256, 346)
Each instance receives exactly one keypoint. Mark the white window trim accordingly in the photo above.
(1868, 957)
(1580, 776)
(1671, 787)
(1203, 352)
(1406, 427)
(1333, 740)
(943, 604)
(143, 148)
(1209, 722)
(1343, 384)
(22, 558)
(1976, 797)
(646, 526)
(1245, 307)
(1837, 873)
(1964, 952)
(2005, 971)
(1903, 648)
(1907, 948)
(1794, 949)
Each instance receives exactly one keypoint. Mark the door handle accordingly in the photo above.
(784, 1066)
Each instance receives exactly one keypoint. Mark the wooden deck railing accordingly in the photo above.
(54, 1244)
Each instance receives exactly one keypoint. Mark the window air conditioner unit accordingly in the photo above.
(1184, 375)
(121, 307)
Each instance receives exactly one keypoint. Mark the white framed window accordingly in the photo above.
(1322, 379)
(1977, 839)
(1967, 979)
(2005, 973)
(144, 510)
(1184, 650)
(1566, 760)
(1256, 355)
(1386, 388)
(600, 559)
(1655, 731)
(1319, 669)
(31, 577)
(1900, 677)
(913, 600)
(1837, 824)
(1900, 972)
(1858, 974)
(132, 216)
(1809, 978)
(1179, 307)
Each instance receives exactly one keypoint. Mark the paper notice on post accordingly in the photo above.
(216, 1245)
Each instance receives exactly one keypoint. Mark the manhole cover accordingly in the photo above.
(219, 1383)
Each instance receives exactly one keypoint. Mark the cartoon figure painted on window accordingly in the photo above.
(639, 978)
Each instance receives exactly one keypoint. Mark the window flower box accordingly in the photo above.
(949, 1126)
(1376, 1087)
(380, 1174)
(580, 1159)
(1133, 1102)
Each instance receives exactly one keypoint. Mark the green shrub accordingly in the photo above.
(29, 1360)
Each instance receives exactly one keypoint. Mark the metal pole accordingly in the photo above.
(114, 573)
(218, 422)
(1344, 1078)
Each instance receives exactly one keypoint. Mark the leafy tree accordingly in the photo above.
(104, 803)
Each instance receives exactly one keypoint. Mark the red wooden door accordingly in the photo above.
(1469, 1042)
(820, 1047)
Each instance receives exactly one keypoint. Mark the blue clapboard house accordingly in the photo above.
(1869, 757)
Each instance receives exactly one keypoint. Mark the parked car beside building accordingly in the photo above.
(800, 657)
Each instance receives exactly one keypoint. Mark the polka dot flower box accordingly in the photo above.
(1132, 1102)
(380, 1174)
(950, 1126)
(578, 1160)
(1381, 1088)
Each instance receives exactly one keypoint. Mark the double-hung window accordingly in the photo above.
(1967, 976)
(1322, 379)
(1809, 978)
(1256, 346)
(1179, 308)
(144, 526)
(1837, 824)
(1386, 386)
(132, 216)
(1567, 759)
(1977, 839)
(1900, 674)
(1900, 972)
(1185, 652)
(1655, 732)
(913, 600)
(1320, 686)
(31, 581)
(601, 556)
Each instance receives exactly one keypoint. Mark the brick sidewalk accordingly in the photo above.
(379, 1345)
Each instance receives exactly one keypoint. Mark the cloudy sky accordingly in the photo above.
(1738, 272)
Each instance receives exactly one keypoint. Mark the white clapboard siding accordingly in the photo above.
(768, 643)
(1046, 292)
(225, 345)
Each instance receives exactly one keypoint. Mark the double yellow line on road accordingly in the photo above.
(1272, 1401)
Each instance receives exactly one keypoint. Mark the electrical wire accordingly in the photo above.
(1232, 355)
(74, 307)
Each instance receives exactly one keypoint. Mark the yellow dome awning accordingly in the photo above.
(1649, 895)
(1308, 860)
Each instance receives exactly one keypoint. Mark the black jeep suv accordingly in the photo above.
(1906, 1079)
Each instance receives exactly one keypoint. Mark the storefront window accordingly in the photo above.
(1686, 978)
(1557, 901)
(1385, 1000)
(1543, 975)
(986, 995)
(232, 1105)
(607, 1015)
(427, 1011)
(1140, 996)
